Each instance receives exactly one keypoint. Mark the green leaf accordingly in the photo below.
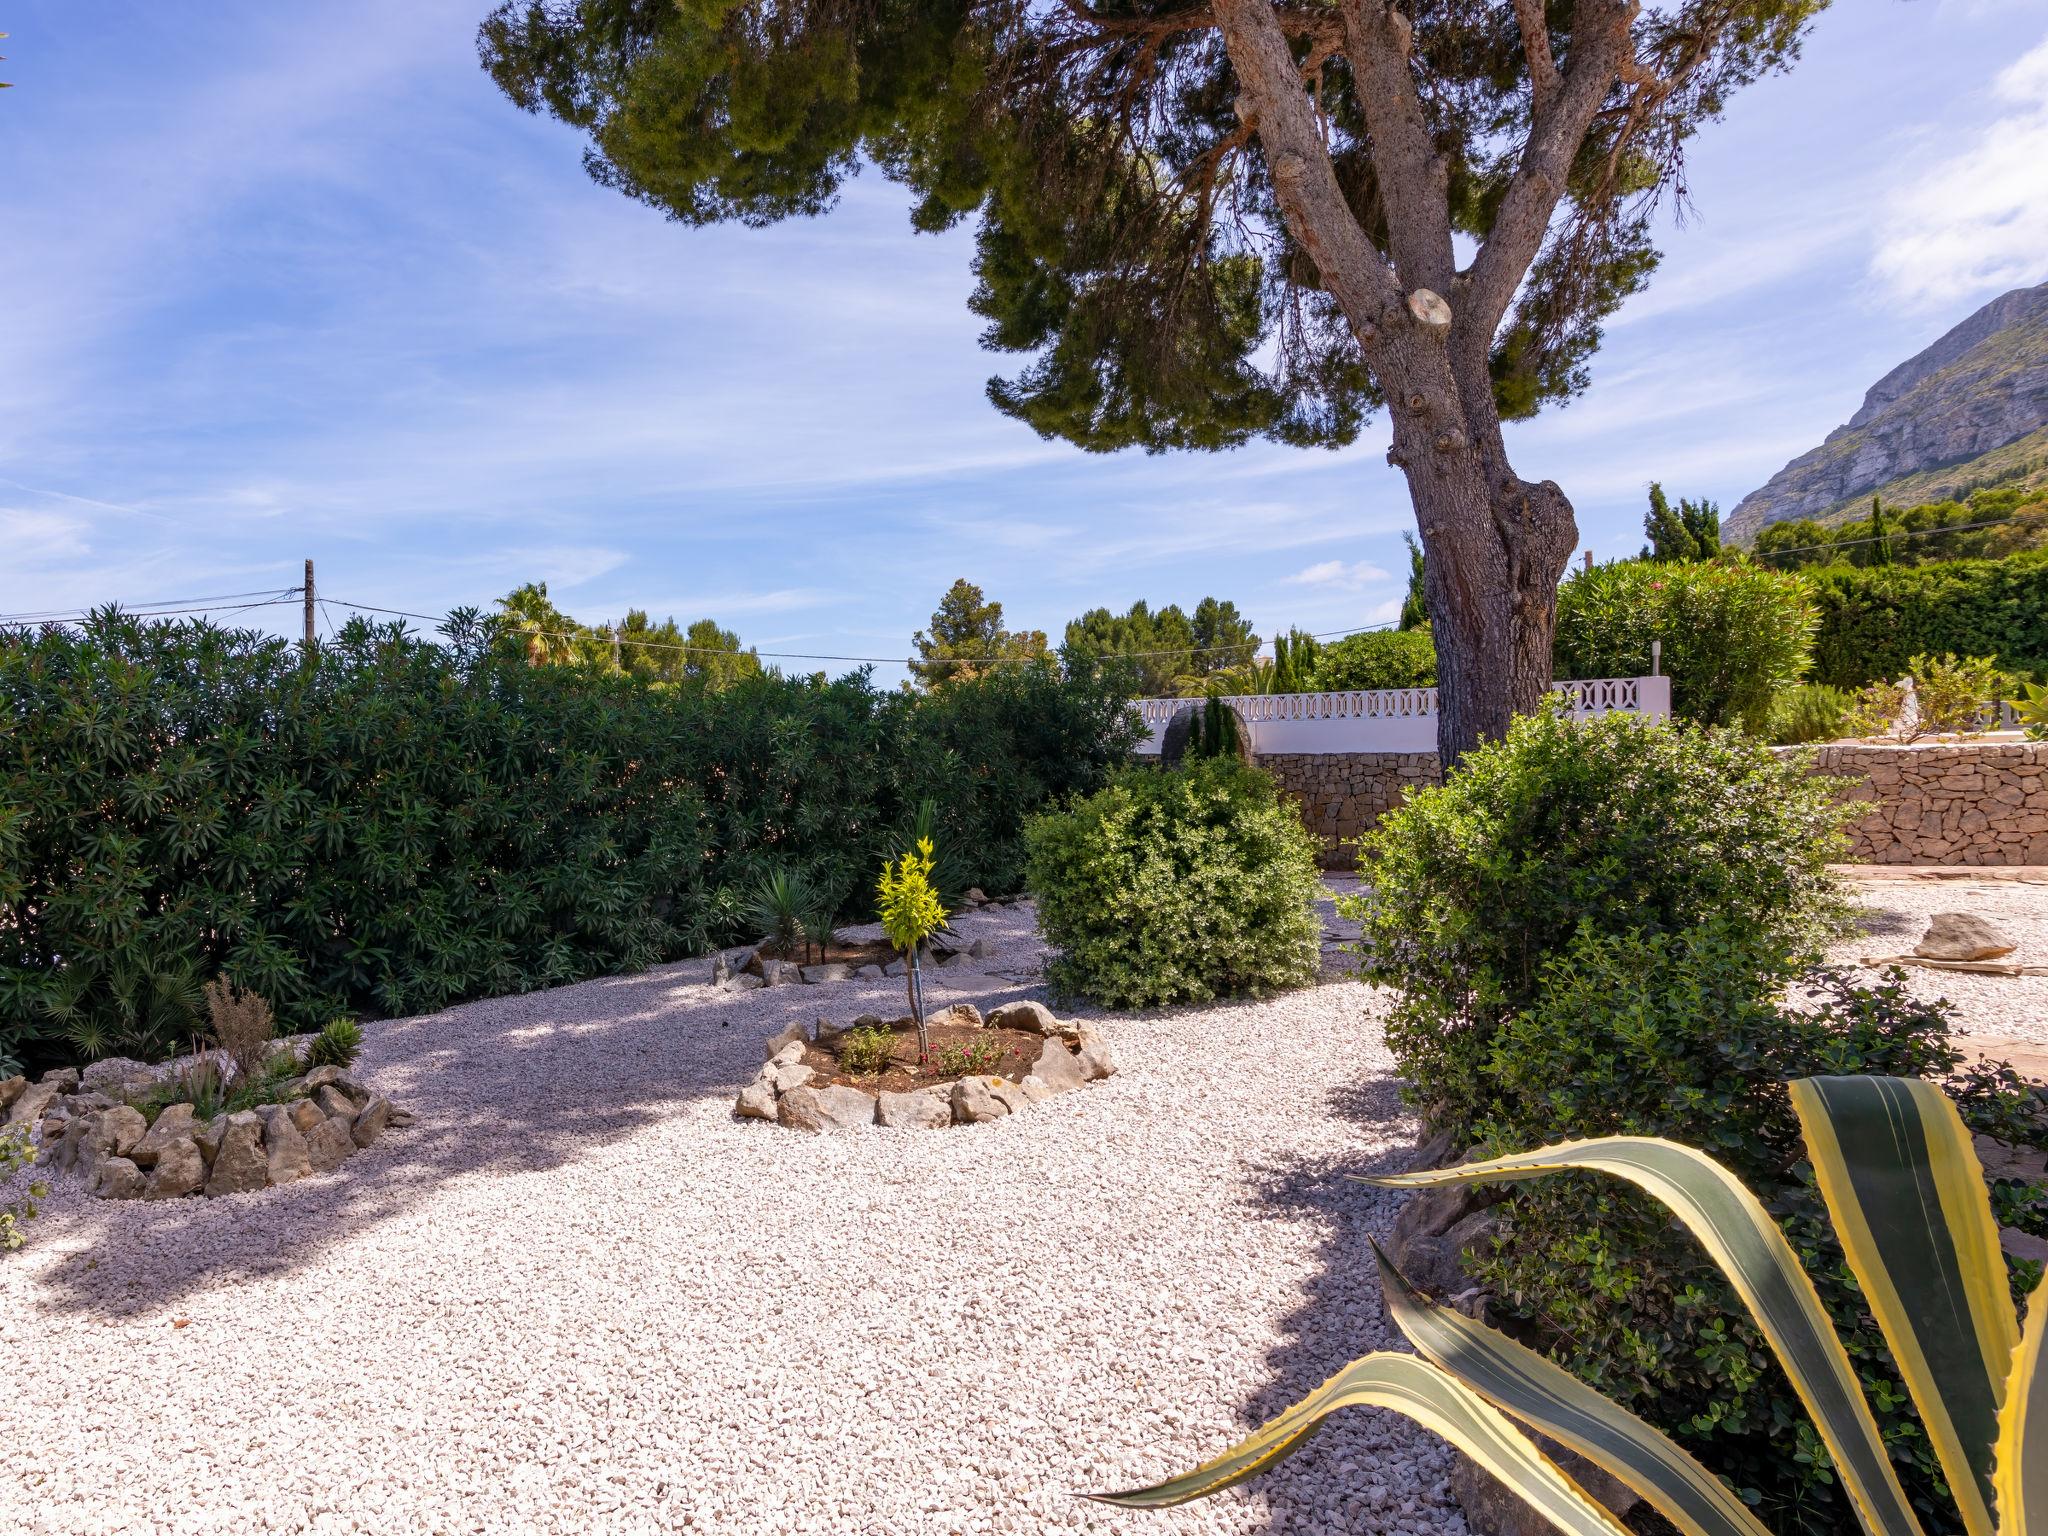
(1909, 1203)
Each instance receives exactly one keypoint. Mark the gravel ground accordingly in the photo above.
(579, 1296)
(1895, 914)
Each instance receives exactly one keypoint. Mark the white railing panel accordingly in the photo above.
(1385, 719)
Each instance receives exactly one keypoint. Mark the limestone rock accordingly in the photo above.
(118, 1076)
(789, 1033)
(289, 1155)
(331, 1143)
(780, 973)
(869, 973)
(961, 1015)
(336, 1105)
(119, 1180)
(1058, 1068)
(721, 971)
(241, 1163)
(756, 1100)
(789, 1055)
(11, 1088)
(180, 1170)
(1962, 936)
(1433, 1262)
(817, 975)
(973, 897)
(318, 1078)
(894, 968)
(824, 1029)
(920, 1109)
(2002, 1160)
(979, 949)
(742, 983)
(790, 1075)
(975, 1101)
(825, 1109)
(370, 1124)
(175, 1122)
(63, 1079)
(1032, 1016)
(1097, 1059)
(30, 1104)
(208, 1136)
(305, 1115)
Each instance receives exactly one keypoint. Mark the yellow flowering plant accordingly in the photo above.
(911, 913)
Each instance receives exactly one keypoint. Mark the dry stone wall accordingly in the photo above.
(1945, 802)
(1342, 795)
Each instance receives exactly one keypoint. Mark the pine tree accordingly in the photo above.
(1198, 225)
(1415, 606)
(1223, 638)
(967, 638)
(1689, 531)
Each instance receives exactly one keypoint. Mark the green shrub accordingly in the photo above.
(393, 824)
(338, 1044)
(1808, 712)
(1733, 633)
(1873, 622)
(1378, 658)
(1177, 886)
(865, 1051)
(1614, 825)
(1954, 695)
(20, 1195)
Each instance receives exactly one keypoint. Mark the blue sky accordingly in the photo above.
(285, 281)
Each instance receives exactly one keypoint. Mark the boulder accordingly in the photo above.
(1027, 1015)
(756, 1100)
(789, 1055)
(1057, 1068)
(331, 1143)
(180, 1170)
(979, 949)
(973, 897)
(240, 1164)
(208, 1137)
(1433, 1262)
(336, 1105)
(818, 975)
(869, 973)
(119, 1076)
(973, 1101)
(64, 1079)
(119, 1180)
(894, 968)
(290, 1156)
(305, 1115)
(2003, 1160)
(11, 1088)
(1097, 1059)
(371, 1122)
(721, 971)
(960, 1015)
(1962, 936)
(824, 1029)
(825, 1109)
(1009, 1094)
(790, 1074)
(318, 1078)
(29, 1105)
(174, 1123)
(780, 973)
(920, 1109)
(89, 1140)
(742, 983)
(788, 1034)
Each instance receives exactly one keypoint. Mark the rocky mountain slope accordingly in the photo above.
(1971, 410)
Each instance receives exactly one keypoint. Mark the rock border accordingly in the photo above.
(1073, 1055)
(84, 1125)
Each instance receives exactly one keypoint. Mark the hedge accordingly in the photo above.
(398, 824)
(1874, 621)
(1378, 658)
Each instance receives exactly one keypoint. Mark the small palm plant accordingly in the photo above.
(912, 913)
(781, 909)
(1907, 1196)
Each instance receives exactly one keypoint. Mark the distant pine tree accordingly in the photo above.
(1689, 531)
(1415, 606)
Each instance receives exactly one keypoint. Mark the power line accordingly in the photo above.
(160, 605)
(78, 617)
(1886, 538)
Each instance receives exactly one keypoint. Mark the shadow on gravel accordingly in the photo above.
(501, 1086)
(1340, 1319)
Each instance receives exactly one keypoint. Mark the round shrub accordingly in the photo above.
(1733, 633)
(1177, 886)
(1617, 825)
(1378, 658)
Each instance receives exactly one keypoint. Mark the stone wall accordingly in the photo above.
(1946, 802)
(1343, 794)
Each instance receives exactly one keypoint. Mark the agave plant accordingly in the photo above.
(1907, 1196)
(780, 909)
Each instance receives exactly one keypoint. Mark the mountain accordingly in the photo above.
(1970, 411)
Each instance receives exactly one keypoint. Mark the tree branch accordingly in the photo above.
(1535, 27)
(1413, 178)
(1271, 100)
(1600, 50)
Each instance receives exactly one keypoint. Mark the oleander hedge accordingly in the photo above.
(1874, 620)
(400, 823)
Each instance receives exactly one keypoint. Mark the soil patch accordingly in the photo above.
(957, 1050)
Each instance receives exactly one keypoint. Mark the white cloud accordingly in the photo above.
(1977, 221)
(32, 536)
(1338, 574)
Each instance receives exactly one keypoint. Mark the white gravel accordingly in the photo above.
(1895, 914)
(579, 1296)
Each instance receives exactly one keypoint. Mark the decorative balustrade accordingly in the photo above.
(1386, 719)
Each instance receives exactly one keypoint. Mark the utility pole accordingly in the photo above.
(309, 605)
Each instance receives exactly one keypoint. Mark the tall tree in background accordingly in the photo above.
(1212, 220)
(967, 638)
(1689, 531)
(1223, 637)
(1415, 604)
(1160, 645)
